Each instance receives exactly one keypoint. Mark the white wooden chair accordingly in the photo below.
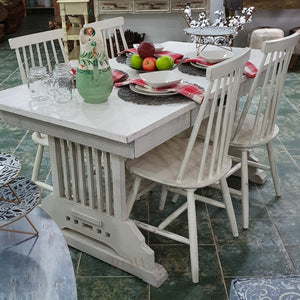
(255, 124)
(39, 49)
(111, 30)
(189, 164)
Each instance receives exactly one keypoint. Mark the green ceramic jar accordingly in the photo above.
(94, 80)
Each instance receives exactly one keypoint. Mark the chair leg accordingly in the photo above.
(37, 163)
(274, 170)
(193, 239)
(245, 188)
(175, 198)
(163, 197)
(229, 207)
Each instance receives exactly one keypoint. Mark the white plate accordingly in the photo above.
(198, 65)
(143, 91)
(159, 79)
(152, 91)
(216, 55)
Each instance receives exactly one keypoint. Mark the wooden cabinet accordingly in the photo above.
(146, 6)
(73, 8)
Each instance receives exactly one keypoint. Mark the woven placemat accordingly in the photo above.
(121, 59)
(187, 68)
(126, 94)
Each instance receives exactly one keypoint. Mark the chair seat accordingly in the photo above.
(167, 158)
(244, 138)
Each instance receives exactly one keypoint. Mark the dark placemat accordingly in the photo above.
(187, 68)
(121, 59)
(126, 94)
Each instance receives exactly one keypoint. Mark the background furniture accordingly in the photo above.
(12, 13)
(39, 49)
(279, 287)
(37, 267)
(18, 195)
(258, 36)
(146, 6)
(295, 60)
(73, 7)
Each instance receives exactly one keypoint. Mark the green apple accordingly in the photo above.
(164, 62)
(136, 62)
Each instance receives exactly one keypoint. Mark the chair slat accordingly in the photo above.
(39, 54)
(111, 29)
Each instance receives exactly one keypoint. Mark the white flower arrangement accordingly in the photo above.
(237, 22)
(221, 32)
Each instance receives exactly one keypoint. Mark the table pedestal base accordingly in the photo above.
(116, 242)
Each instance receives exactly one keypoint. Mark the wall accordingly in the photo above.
(285, 19)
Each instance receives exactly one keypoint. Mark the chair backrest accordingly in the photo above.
(39, 49)
(217, 112)
(269, 83)
(112, 34)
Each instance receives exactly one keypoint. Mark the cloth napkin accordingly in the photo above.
(117, 75)
(250, 70)
(191, 91)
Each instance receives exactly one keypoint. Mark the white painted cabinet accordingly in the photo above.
(146, 6)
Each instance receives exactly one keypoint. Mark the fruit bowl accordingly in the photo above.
(216, 55)
(159, 79)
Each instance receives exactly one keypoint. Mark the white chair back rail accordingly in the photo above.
(273, 68)
(110, 29)
(224, 81)
(38, 49)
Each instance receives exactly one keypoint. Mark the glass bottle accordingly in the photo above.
(63, 83)
(38, 83)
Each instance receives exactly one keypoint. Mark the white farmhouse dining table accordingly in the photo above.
(89, 145)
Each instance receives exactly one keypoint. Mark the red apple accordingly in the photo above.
(149, 64)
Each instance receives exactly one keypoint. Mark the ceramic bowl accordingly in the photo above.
(159, 79)
(216, 55)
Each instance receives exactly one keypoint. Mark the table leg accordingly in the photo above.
(89, 205)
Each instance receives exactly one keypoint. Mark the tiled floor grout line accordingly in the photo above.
(20, 142)
(278, 233)
(293, 106)
(216, 250)
(288, 153)
(8, 77)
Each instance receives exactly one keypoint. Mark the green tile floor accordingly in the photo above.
(271, 246)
